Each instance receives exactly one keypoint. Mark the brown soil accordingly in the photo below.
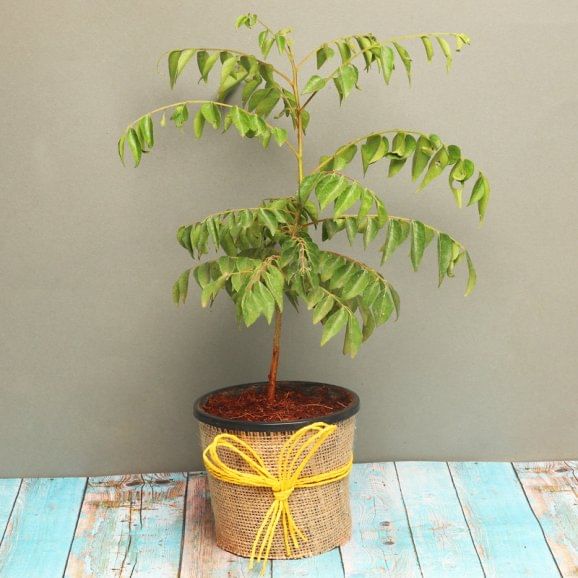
(292, 402)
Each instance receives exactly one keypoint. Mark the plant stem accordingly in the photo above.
(272, 385)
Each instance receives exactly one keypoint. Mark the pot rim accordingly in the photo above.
(260, 426)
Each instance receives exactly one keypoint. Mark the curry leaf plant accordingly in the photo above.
(269, 255)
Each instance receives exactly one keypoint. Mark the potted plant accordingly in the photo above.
(278, 453)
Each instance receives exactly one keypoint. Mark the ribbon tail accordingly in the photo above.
(257, 539)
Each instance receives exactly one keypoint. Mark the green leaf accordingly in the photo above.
(436, 167)
(353, 337)
(228, 67)
(206, 62)
(351, 229)
(184, 58)
(366, 202)
(173, 62)
(248, 20)
(346, 199)
(265, 300)
(250, 308)
(374, 149)
(279, 134)
(281, 41)
(472, 277)
(314, 84)
(275, 282)
(397, 232)
(180, 115)
(307, 185)
(483, 202)
(146, 130)
(323, 55)
(371, 230)
(445, 245)
(454, 154)
(334, 324)
(395, 299)
(183, 285)
(395, 165)
(328, 188)
(478, 191)
(421, 157)
(446, 50)
(386, 60)
(405, 58)
(398, 146)
(242, 120)
(461, 40)
(480, 195)
(265, 42)
(322, 308)
(212, 114)
(343, 157)
(429, 51)
(134, 146)
(365, 43)
(176, 294)
(198, 124)
(121, 147)
(250, 88)
(418, 243)
(355, 285)
(268, 219)
(344, 49)
(346, 80)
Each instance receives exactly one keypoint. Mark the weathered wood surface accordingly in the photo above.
(411, 519)
(328, 564)
(129, 526)
(39, 533)
(8, 492)
(201, 557)
(441, 535)
(552, 490)
(507, 536)
(381, 544)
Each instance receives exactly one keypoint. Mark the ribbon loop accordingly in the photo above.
(294, 456)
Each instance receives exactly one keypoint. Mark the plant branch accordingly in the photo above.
(387, 40)
(195, 101)
(357, 140)
(271, 386)
(240, 53)
(373, 215)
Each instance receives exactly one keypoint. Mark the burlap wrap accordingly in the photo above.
(322, 513)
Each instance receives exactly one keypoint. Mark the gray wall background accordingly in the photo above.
(99, 370)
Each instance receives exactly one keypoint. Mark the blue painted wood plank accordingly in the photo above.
(202, 558)
(552, 490)
(8, 492)
(129, 526)
(507, 536)
(41, 527)
(322, 566)
(381, 543)
(441, 535)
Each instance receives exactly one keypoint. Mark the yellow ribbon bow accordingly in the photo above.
(294, 456)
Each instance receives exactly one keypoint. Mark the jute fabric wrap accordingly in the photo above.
(322, 513)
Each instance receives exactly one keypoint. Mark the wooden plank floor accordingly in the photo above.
(410, 519)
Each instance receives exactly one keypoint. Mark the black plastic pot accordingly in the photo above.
(231, 424)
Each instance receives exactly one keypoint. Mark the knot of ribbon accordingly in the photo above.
(293, 457)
